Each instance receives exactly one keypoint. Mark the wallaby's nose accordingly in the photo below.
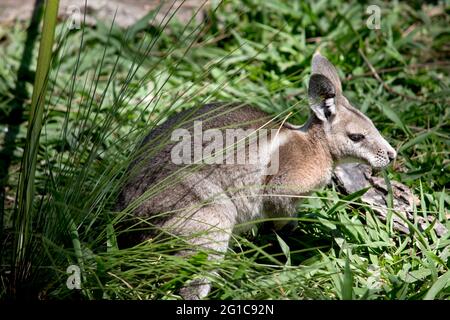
(391, 154)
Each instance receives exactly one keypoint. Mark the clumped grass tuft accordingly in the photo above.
(108, 87)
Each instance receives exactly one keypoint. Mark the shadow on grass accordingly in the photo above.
(15, 118)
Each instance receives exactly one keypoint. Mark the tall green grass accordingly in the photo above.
(24, 214)
(108, 87)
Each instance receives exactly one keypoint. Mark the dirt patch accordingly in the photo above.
(127, 12)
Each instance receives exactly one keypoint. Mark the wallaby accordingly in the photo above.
(205, 202)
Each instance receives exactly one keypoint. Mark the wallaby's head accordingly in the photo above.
(349, 134)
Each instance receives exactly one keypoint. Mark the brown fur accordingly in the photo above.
(206, 203)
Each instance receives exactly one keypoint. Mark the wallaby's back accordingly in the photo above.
(173, 187)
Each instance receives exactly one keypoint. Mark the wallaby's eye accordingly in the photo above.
(356, 137)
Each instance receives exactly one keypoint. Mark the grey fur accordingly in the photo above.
(207, 204)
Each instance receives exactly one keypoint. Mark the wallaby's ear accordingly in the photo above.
(321, 65)
(322, 94)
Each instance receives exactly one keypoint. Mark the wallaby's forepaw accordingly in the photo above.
(196, 289)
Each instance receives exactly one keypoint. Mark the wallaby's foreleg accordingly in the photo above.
(208, 228)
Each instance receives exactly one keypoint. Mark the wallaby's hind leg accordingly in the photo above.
(208, 228)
